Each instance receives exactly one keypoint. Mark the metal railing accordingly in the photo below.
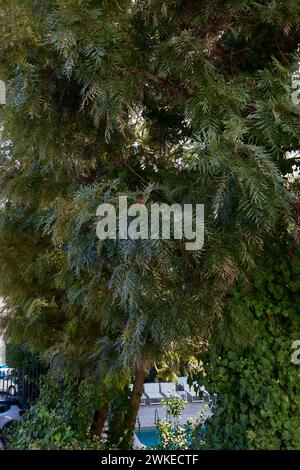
(21, 384)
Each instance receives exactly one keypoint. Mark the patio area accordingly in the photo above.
(148, 414)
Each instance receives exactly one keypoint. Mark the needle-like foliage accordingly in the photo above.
(175, 101)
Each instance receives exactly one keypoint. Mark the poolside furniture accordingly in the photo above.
(168, 389)
(152, 392)
(191, 391)
(143, 396)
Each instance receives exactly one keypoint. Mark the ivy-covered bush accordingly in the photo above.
(258, 387)
(60, 419)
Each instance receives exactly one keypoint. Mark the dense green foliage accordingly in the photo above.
(104, 100)
(258, 387)
(175, 101)
(60, 419)
(19, 356)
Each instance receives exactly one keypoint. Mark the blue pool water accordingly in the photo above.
(148, 437)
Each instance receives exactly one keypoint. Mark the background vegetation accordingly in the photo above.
(258, 387)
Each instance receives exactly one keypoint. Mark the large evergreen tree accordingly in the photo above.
(166, 101)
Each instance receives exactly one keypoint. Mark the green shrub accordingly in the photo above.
(175, 436)
(258, 387)
(60, 419)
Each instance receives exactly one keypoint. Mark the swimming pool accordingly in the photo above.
(148, 436)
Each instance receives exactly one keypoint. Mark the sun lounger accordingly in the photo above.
(152, 392)
(168, 389)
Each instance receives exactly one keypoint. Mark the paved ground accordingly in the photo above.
(149, 413)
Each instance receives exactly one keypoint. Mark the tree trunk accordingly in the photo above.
(134, 406)
(99, 420)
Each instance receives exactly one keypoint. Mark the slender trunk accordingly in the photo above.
(136, 394)
(134, 405)
(99, 420)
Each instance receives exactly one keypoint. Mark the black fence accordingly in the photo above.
(21, 384)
